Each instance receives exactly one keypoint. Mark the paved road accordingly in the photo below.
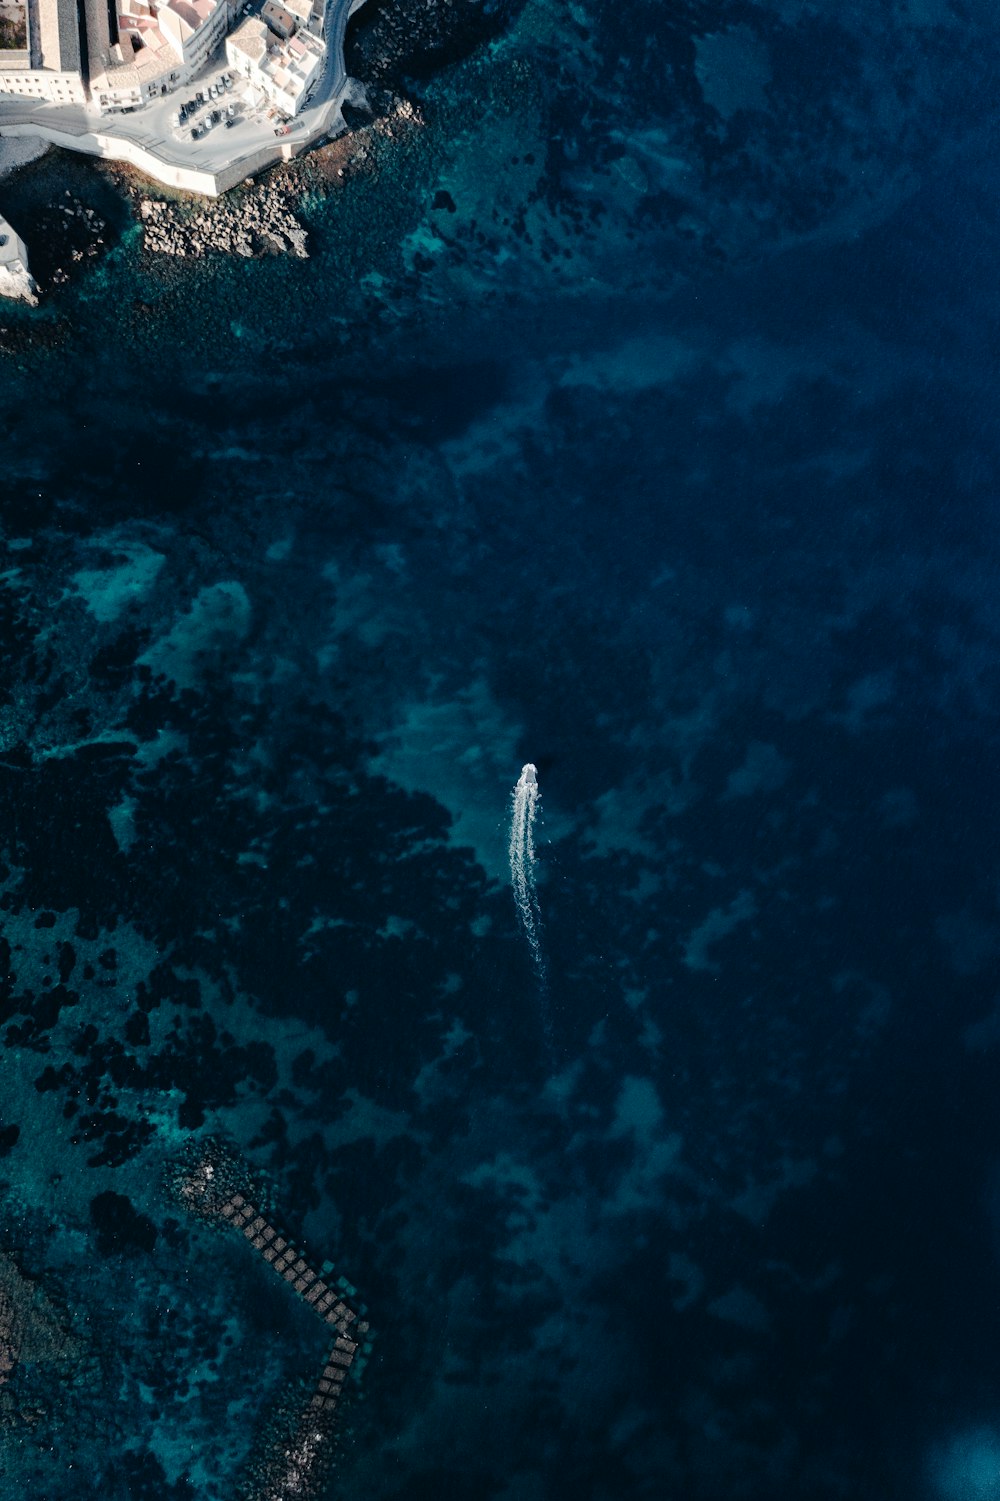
(220, 149)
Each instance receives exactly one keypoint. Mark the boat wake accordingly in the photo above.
(524, 807)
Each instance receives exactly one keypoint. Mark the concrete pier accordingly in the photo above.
(299, 1469)
(215, 1187)
(324, 1299)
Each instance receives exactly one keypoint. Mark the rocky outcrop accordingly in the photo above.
(256, 222)
(18, 284)
(32, 1329)
(16, 280)
(397, 42)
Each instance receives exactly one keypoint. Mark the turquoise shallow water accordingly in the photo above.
(633, 417)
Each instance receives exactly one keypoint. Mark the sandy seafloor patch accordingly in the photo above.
(635, 417)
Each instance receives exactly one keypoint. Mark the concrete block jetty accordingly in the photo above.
(214, 1186)
(326, 1299)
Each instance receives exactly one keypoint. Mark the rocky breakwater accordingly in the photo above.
(257, 221)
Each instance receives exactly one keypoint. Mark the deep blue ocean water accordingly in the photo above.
(635, 417)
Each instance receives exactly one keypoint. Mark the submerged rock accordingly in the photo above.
(32, 1329)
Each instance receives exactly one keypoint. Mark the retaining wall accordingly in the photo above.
(193, 179)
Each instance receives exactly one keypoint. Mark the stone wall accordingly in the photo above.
(194, 180)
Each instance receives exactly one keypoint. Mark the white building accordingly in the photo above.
(128, 51)
(291, 69)
(283, 68)
(161, 44)
(18, 77)
(195, 28)
(50, 67)
(246, 49)
(309, 14)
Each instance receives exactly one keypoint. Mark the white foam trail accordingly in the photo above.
(524, 806)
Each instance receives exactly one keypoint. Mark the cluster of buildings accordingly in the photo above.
(120, 55)
(282, 53)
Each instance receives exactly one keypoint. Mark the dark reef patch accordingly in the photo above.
(121, 1229)
(392, 44)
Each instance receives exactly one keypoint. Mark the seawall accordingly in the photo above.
(172, 175)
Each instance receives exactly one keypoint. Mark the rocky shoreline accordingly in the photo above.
(261, 222)
(260, 218)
